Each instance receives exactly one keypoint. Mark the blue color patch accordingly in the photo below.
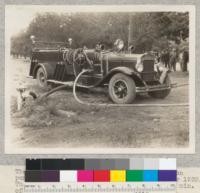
(150, 175)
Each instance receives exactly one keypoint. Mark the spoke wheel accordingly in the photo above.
(41, 77)
(122, 89)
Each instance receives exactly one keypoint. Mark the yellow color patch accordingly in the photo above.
(117, 175)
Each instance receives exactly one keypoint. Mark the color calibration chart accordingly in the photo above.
(136, 175)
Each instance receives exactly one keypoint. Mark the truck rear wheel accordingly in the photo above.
(41, 77)
(161, 94)
(122, 89)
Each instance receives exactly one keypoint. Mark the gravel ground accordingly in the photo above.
(39, 124)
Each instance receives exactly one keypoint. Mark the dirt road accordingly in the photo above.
(39, 125)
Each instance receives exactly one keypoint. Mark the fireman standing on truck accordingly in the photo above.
(69, 43)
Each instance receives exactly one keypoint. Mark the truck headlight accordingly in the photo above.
(139, 67)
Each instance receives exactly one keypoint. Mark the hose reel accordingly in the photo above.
(78, 58)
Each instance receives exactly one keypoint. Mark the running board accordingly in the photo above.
(68, 83)
(138, 89)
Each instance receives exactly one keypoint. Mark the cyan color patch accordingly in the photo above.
(150, 175)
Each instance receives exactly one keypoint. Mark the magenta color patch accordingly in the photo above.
(85, 176)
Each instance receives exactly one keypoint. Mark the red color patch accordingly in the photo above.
(101, 176)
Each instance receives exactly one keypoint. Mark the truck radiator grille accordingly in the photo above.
(148, 65)
(148, 77)
(148, 74)
(59, 73)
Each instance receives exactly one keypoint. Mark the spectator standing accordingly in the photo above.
(158, 57)
(162, 57)
(185, 59)
(173, 59)
(166, 59)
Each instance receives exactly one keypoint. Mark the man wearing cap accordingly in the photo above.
(69, 43)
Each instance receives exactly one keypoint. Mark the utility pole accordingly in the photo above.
(130, 29)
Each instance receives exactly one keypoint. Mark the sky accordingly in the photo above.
(18, 18)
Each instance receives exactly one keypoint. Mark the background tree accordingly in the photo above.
(151, 30)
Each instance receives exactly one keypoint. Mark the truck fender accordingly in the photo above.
(125, 70)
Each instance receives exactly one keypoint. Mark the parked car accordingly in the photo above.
(123, 74)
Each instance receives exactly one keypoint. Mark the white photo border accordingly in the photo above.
(10, 149)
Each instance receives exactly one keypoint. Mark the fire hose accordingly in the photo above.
(117, 105)
(70, 57)
(75, 85)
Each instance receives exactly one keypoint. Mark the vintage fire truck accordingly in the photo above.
(123, 74)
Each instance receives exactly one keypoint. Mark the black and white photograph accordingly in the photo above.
(99, 79)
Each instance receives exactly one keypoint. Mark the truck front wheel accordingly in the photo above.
(122, 89)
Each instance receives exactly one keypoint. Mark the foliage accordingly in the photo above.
(150, 30)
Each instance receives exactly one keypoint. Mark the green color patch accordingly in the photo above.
(134, 175)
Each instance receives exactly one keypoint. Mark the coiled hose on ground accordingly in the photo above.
(106, 104)
(117, 105)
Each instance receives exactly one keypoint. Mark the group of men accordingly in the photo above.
(170, 58)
